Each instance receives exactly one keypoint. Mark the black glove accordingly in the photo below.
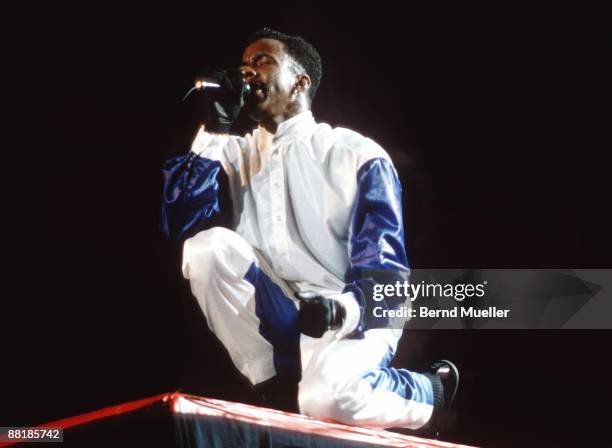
(223, 105)
(318, 314)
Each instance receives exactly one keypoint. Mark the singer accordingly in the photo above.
(317, 222)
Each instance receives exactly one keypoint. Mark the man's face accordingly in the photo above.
(272, 75)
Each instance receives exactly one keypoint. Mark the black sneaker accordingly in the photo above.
(444, 377)
(449, 376)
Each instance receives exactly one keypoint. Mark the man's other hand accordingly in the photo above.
(318, 314)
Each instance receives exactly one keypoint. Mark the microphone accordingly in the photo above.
(202, 84)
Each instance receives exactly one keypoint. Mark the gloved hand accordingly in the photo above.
(223, 105)
(318, 314)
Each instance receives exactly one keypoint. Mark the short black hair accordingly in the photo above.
(301, 51)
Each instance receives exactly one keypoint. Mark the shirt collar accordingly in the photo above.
(293, 126)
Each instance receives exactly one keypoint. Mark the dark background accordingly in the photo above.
(493, 113)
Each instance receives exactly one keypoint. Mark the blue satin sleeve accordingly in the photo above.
(192, 195)
(376, 241)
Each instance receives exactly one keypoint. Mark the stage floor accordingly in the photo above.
(175, 419)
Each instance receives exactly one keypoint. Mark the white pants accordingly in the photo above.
(336, 372)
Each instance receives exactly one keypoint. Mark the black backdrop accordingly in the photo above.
(492, 112)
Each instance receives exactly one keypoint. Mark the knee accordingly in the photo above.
(213, 249)
(340, 399)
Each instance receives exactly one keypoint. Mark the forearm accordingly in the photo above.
(195, 188)
(377, 253)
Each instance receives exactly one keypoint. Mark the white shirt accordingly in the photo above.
(293, 194)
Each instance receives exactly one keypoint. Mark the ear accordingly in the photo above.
(302, 83)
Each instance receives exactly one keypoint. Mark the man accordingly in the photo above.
(317, 222)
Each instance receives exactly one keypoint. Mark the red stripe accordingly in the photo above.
(99, 414)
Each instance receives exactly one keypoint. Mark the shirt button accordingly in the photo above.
(278, 218)
(277, 184)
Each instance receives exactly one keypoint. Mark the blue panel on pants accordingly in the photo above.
(278, 321)
(407, 384)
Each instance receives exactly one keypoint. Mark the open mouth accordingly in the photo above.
(258, 90)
